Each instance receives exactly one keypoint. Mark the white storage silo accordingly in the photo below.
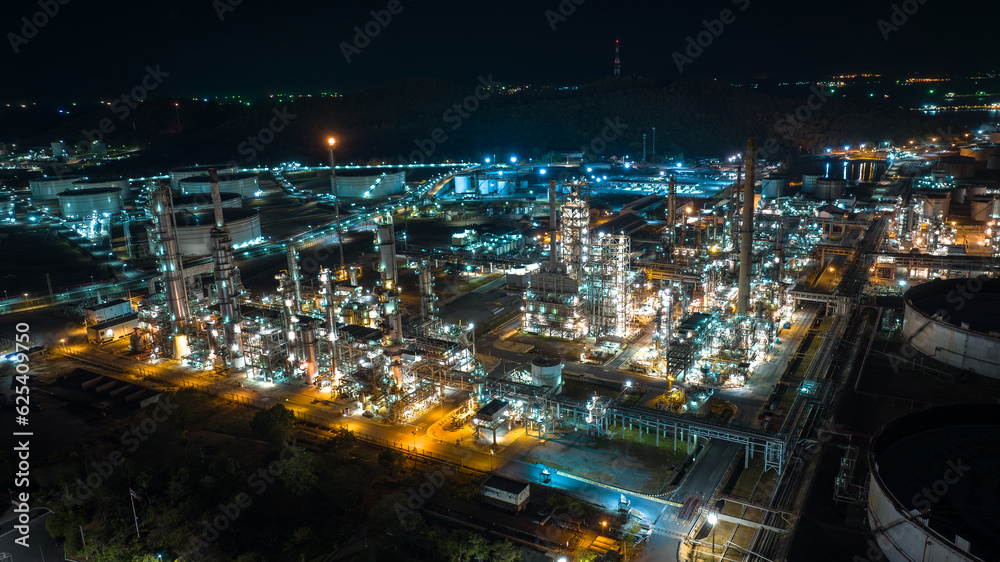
(85, 202)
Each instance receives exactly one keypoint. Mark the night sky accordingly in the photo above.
(101, 48)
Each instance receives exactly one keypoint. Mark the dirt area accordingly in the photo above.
(551, 345)
(625, 464)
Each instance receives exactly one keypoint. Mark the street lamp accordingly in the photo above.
(336, 197)
(604, 526)
(712, 520)
(491, 461)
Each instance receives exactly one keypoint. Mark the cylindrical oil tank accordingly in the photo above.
(774, 185)
(100, 183)
(194, 230)
(367, 184)
(958, 195)
(85, 202)
(958, 166)
(982, 207)
(994, 138)
(546, 371)
(203, 201)
(981, 153)
(936, 204)
(246, 185)
(181, 173)
(829, 189)
(974, 190)
(967, 338)
(993, 162)
(809, 182)
(48, 188)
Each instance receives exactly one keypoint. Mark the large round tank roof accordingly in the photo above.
(541, 361)
(202, 168)
(85, 181)
(942, 463)
(222, 177)
(58, 178)
(203, 218)
(972, 304)
(90, 191)
(201, 199)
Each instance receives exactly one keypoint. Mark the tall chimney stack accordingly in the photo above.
(746, 229)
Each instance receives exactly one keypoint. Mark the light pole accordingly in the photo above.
(336, 197)
(604, 527)
(712, 520)
(491, 461)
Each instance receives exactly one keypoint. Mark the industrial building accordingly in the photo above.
(347, 338)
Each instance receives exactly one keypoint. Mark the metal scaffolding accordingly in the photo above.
(606, 286)
(574, 233)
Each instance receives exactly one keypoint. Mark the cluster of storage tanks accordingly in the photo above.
(821, 187)
(81, 196)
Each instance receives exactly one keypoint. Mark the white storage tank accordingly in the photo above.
(993, 162)
(829, 189)
(774, 185)
(983, 207)
(181, 173)
(981, 153)
(48, 188)
(105, 183)
(203, 202)
(546, 371)
(246, 185)
(79, 203)
(367, 184)
(194, 230)
(58, 149)
(809, 182)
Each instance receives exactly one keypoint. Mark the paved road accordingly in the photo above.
(41, 547)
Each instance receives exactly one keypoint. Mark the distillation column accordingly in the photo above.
(428, 306)
(294, 276)
(553, 228)
(330, 308)
(171, 267)
(392, 331)
(746, 229)
(226, 280)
